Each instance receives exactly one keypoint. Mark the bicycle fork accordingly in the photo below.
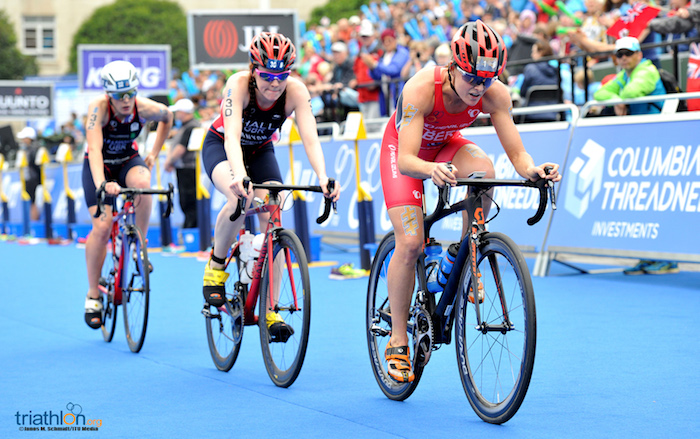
(477, 230)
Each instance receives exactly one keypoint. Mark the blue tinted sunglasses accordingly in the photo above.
(269, 77)
(122, 94)
(475, 80)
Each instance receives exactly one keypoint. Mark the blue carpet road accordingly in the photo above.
(617, 357)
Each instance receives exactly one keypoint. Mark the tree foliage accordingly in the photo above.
(336, 9)
(13, 64)
(136, 22)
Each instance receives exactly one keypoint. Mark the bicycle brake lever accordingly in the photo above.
(552, 196)
(550, 188)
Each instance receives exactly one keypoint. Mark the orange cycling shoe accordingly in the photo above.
(470, 298)
(399, 363)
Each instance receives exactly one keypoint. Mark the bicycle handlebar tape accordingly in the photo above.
(327, 208)
(240, 208)
(541, 185)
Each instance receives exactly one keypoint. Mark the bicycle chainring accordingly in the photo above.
(423, 334)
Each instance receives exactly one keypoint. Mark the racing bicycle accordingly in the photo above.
(495, 335)
(280, 278)
(126, 269)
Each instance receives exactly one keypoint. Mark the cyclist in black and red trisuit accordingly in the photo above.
(114, 121)
(239, 144)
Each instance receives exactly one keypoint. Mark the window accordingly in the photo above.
(38, 34)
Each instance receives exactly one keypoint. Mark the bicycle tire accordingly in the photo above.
(225, 324)
(109, 308)
(495, 367)
(283, 360)
(136, 289)
(378, 323)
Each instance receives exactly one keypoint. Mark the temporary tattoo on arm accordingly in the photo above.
(228, 104)
(510, 111)
(409, 112)
(92, 120)
(409, 220)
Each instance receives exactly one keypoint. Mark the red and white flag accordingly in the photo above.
(634, 21)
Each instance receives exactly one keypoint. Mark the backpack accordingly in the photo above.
(671, 86)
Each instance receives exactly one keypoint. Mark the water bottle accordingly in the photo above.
(447, 263)
(245, 249)
(256, 246)
(433, 250)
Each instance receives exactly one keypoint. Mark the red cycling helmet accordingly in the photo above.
(479, 50)
(272, 51)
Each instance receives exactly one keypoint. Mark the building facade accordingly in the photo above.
(45, 28)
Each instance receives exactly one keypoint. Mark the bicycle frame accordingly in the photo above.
(122, 221)
(275, 222)
(274, 208)
(442, 313)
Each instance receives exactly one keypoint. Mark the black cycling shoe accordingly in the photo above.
(213, 289)
(93, 312)
(279, 331)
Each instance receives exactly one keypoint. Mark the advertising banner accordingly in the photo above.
(630, 188)
(220, 39)
(26, 100)
(151, 61)
(54, 181)
(545, 142)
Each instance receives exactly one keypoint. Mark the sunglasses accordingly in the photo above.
(624, 52)
(120, 95)
(475, 80)
(269, 77)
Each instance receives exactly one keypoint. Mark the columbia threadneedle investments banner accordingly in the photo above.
(631, 187)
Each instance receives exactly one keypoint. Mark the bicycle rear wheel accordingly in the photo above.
(136, 289)
(106, 286)
(225, 324)
(290, 279)
(496, 358)
(378, 321)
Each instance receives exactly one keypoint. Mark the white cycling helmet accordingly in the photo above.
(119, 76)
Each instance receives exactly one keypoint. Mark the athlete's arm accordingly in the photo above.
(235, 98)
(497, 102)
(300, 100)
(153, 111)
(417, 100)
(97, 112)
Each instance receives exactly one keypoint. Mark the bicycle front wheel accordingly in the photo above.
(496, 355)
(136, 289)
(290, 298)
(225, 323)
(106, 286)
(378, 321)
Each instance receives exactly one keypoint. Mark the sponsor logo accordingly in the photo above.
(220, 39)
(585, 179)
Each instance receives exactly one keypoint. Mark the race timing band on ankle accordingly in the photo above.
(216, 259)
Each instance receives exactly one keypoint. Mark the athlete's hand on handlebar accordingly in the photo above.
(335, 194)
(534, 173)
(443, 173)
(112, 188)
(239, 190)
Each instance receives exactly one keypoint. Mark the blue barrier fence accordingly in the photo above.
(631, 188)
